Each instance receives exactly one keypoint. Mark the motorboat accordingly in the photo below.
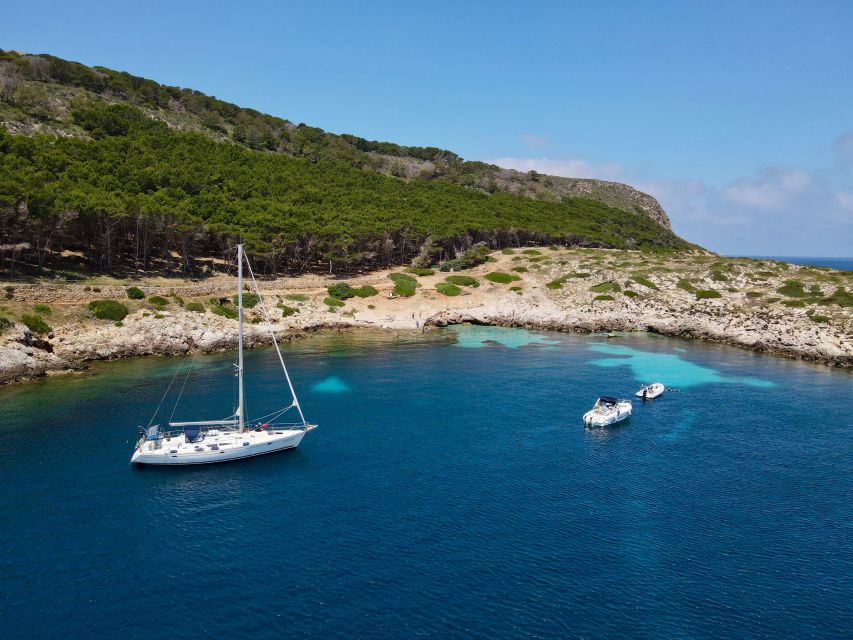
(649, 391)
(607, 411)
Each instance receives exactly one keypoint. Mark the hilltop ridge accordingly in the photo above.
(428, 199)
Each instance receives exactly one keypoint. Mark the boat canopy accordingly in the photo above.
(192, 433)
(608, 400)
(152, 432)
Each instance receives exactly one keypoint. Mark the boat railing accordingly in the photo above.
(278, 426)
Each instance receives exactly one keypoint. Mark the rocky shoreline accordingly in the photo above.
(536, 300)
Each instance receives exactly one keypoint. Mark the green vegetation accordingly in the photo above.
(43, 309)
(5, 323)
(718, 276)
(555, 284)
(35, 323)
(474, 257)
(135, 293)
(296, 297)
(686, 285)
(501, 277)
(532, 252)
(794, 303)
(603, 296)
(287, 311)
(224, 310)
(463, 281)
(841, 297)
(631, 294)
(158, 301)
(520, 269)
(404, 284)
(341, 291)
(508, 251)
(118, 323)
(704, 294)
(250, 300)
(365, 291)
(793, 289)
(196, 307)
(448, 289)
(333, 303)
(639, 279)
(576, 274)
(606, 287)
(420, 271)
(754, 294)
(108, 310)
(818, 318)
(517, 290)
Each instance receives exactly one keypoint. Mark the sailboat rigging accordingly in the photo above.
(234, 437)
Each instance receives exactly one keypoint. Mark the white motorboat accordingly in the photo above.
(234, 437)
(649, 391)
(607, 411)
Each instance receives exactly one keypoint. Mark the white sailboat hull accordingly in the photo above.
(216, 447)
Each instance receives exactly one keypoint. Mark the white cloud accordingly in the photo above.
(773, 188)
(570, 168)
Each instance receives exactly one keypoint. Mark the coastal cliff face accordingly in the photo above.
(767, 306)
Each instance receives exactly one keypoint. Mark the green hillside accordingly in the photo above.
(86, 174)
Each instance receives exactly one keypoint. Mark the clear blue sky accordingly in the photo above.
(737, 116)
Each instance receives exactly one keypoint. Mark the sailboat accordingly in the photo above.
(234, 437)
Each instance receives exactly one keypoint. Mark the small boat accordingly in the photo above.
(649, 391)
(607, 411)
(231, 438)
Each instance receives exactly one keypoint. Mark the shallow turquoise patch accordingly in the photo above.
(476, 337)
(332, 384)
(683, 426)
(670, 369)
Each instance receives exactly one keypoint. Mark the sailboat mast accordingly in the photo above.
(241, 401)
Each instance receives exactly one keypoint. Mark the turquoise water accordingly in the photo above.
(844, 264)
(448, 491)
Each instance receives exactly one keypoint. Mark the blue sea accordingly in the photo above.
(844, 264)
(450, 490)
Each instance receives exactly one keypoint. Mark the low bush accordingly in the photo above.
(420, 271)
(365, 291)
(475, 256)
(517, 290)
(794, 303)
(448, 289)
(520, 269)
(555, 284)
(108, 310)
(704, 294)
(224, 310)
(501, 277)
(463, 281)
(43, 309)
(119, 323)
(577, 274)
(196, 307)
(404, 284)
(718, 276)
(817, 318)
(603, 296)
(333, 303)
(5, 323)
(158, 301)
(159, 316)
(644, 281)
(35, 323)
(287, 311)
(841, 297)
(631, 294)
(296, 297)
(606, 287)
(792, 289)
(174, 296)
(754, 294)
(686, 285)
(507, 251)
(341, 291)
(249, 300)
(135, 293)
(532, 252)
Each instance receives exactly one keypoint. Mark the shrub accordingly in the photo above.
(87, 288)
(96, 289)
(5, 323)
(249, 300)
(341, 291)
(158, 301)
(174, 296)
(195, 307)
(224, 310)
(555, 284)
(686, 285)
(606, 287)
(500, 277)
(43, 309)
(520, 269)
(420, 271)
(577, 274)
(772, 300)
(448, 289)
(644, 281)
(35, 323)
(631, 294)
(841, 297)
(507, 251)
(333, 303)
(404, 288)
(703, 294)
(476, 255)
(718, 276)
(792, 289)
(403, 277)
(287, 311)
(119, 323)
(532, 252)
(463, 281)
(365, 291)
(296, 297)
(159, 316)
(794, 303)
(371, 306)
(817, 318)
(603, 296)
(108, 310)
(516, 289)
(754, 294)
(135, 293)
